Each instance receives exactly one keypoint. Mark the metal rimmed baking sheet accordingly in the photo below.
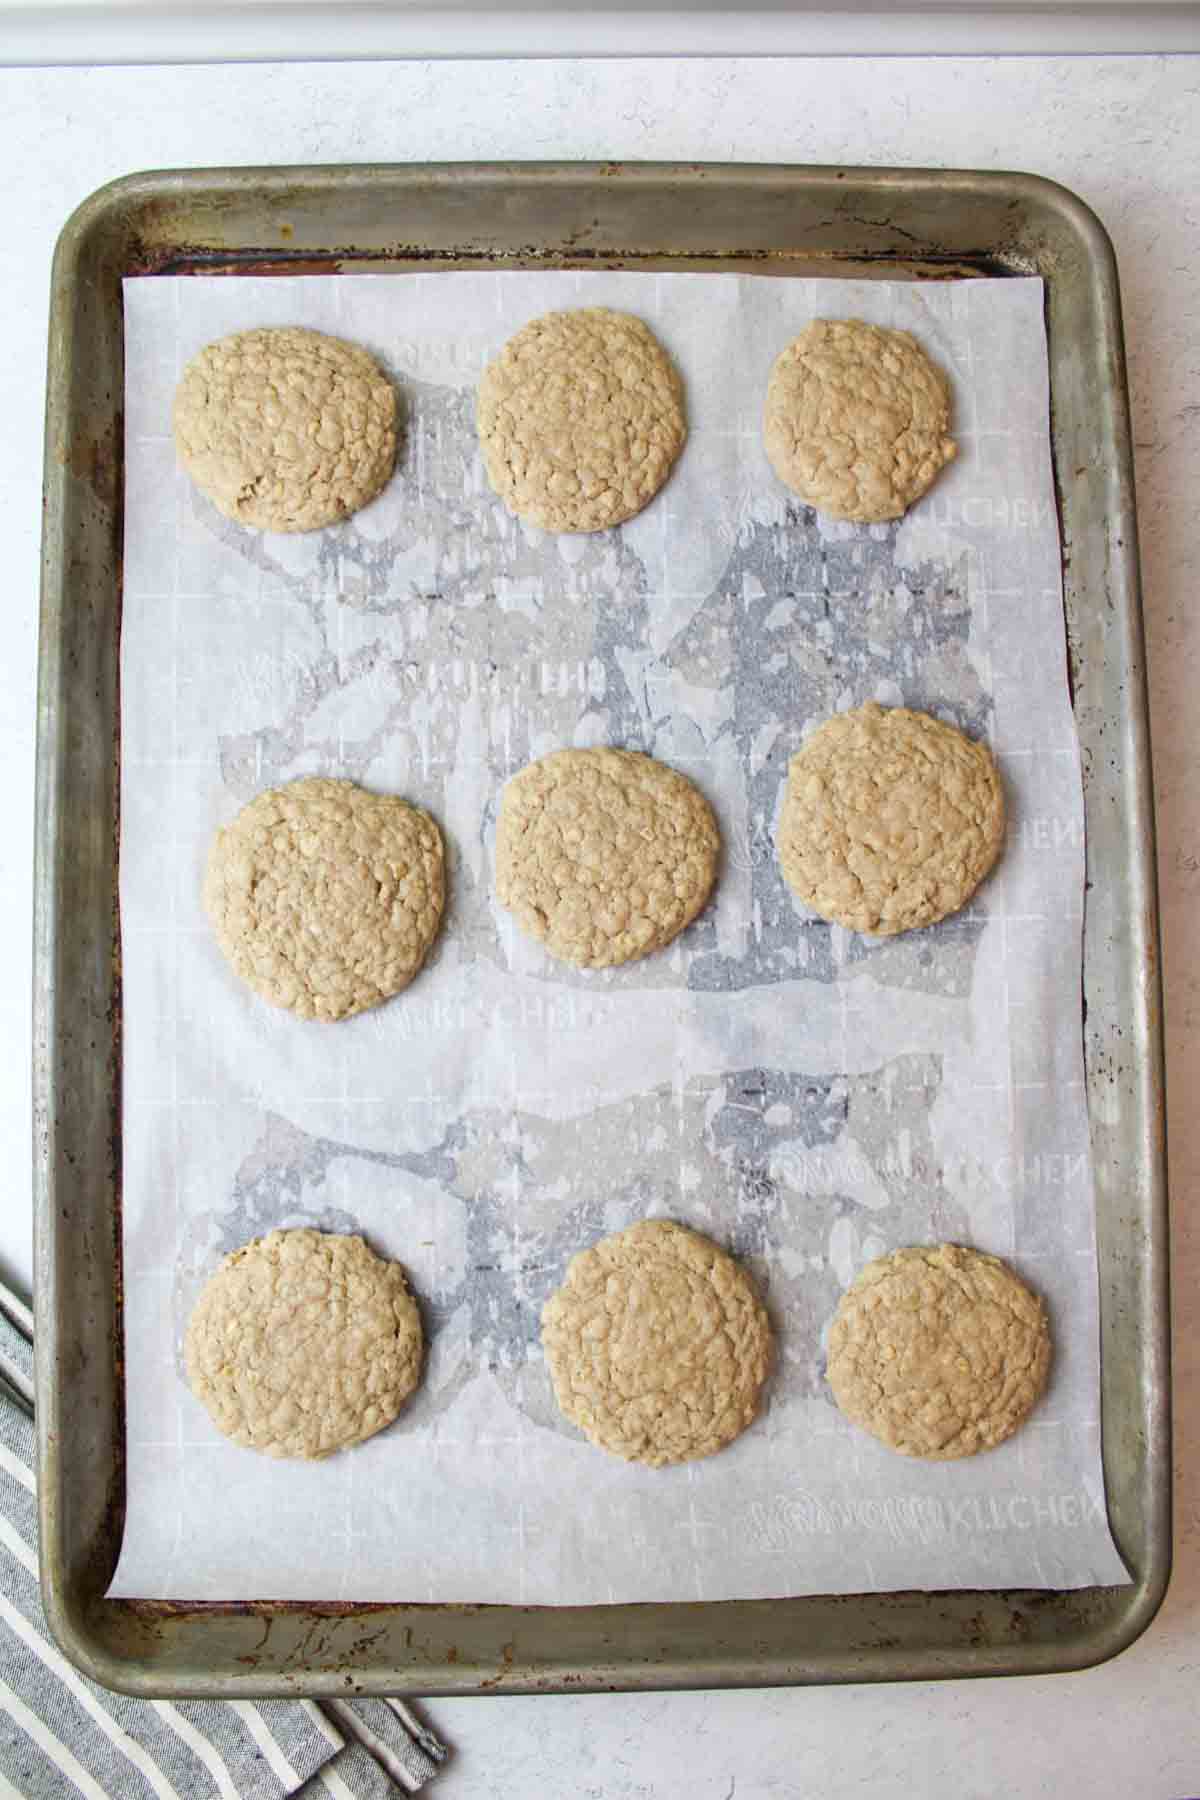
(790, 221)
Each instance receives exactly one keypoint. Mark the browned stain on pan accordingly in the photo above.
(97, 459)
(570, 253)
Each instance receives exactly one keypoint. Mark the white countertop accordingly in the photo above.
(1125, 133)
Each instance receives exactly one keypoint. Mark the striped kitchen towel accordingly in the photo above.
(62, 1736)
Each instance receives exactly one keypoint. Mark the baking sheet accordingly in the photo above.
(809, 1096)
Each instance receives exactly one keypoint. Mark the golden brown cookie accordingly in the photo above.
(890, 819)
(657, 1344)
(857, 419)
(604, 855)
(302, 1343)
(580, 419)
(938, 1352)
(325, 898)
(286, 429)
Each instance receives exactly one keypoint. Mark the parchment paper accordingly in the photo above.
(808, 1096)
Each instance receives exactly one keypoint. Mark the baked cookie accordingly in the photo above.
(286, 429)
(657, 1344)
(580, 419)
(857, 419)
(890, 819)
(604, 855)
(938, 1352)
(325, 898)
(302, 1343)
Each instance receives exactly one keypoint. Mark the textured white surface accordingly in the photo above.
(1123, 132)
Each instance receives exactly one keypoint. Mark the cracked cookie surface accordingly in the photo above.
(604, 855)
(939, 1352)
(657, 1344)
(580, 419)
(325, 898)
(857, 419)
(302, 1343)
(890, 819)
(286, 429)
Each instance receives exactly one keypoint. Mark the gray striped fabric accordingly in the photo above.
(63, 1736)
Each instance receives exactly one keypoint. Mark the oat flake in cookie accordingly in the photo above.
(302, 1343)
(890, 819)
(325, 898)
(604, 855)
(657, 1344)
(857, 419)
(580, 418)
(286, 429)
(938, 1352)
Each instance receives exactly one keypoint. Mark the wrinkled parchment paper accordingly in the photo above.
(809, 1097)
